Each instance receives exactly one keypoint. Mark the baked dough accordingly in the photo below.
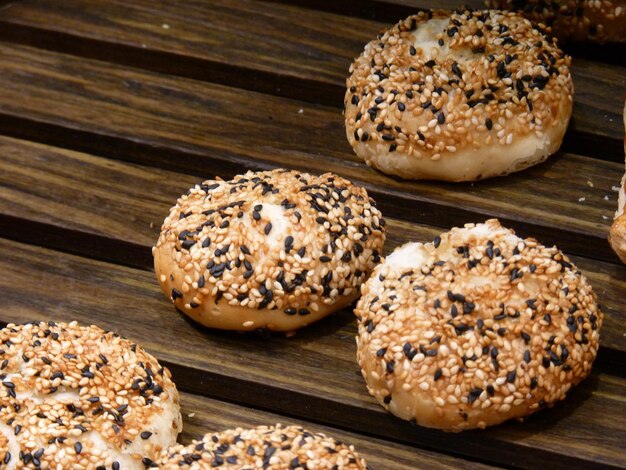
(458, 97)
(275, 447)
(78, 397)
(275, 249)
(475, 328)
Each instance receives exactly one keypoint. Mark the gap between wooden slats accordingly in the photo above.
(112, 211)
(196, 127)
(293, 54)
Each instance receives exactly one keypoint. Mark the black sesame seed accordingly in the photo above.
(288, 243)
(473, 395)
(457, 70)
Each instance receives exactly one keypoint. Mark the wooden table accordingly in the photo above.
(109, 109)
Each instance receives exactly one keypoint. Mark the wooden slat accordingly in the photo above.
(209, 129)
(203, 415)
(312, 375)
(106, 204)
(279, 49)
(382, 10)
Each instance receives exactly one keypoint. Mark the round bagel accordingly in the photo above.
(574, 20)
(275, 447)
(79, 397)
(458, 97)
(475, 328)
(275, 249)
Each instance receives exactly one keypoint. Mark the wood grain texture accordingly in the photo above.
(203, 415)
(207, 129)
(99, 206)
(40, 284)
(274, 48)
(172, 99)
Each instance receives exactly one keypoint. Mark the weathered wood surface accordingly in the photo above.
(173, 98)
(208, 129)
(274, 48)
(99, 205)
(312, 375)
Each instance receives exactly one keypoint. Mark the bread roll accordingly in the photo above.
(458, 97)
(275, 249)
(79, 397)
(475, 328)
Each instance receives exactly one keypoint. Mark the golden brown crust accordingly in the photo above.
(476, 328)
(277, 249)
(617, 234)
(617, 237)
(574, 20)
(80, 397)
(274, 448)
(458, 96)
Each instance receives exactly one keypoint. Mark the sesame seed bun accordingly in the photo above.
(574, 20)
(79, 397)
(475, 328)
(458, 97)
(277, 249)
(274, 447)
(617, 234)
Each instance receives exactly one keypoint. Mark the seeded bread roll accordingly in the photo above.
(617, 234)
(275, 447)
(458, 97)
(79, 397)
(476, 328)
(276, 249)
(574, 20)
